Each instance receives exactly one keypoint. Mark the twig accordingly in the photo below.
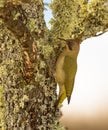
(62, 39)
(101, 33)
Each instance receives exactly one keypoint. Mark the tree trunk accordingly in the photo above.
(29, 88)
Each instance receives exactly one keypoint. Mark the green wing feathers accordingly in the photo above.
(69, 90)
(70, 68)
(65, 79)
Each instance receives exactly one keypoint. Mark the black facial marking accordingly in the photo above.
(69, 43)
(70, 47)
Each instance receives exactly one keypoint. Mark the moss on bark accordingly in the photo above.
(29, 88)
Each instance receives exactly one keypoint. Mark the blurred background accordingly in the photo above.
(88, 109)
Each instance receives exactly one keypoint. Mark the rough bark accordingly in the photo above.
(29, 88)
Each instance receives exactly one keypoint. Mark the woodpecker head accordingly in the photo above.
(71, 44)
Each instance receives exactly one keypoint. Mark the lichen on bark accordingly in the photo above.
(1, 109)
(29, 88)
(74, 18)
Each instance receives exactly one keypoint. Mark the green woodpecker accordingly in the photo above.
(66, 68)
